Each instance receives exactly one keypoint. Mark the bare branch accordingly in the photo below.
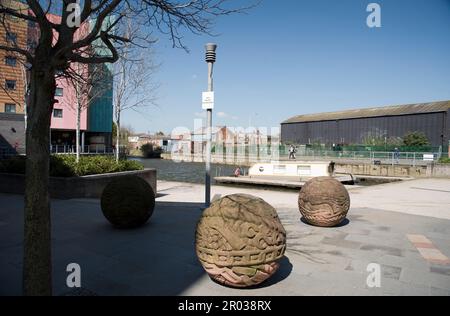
(21, 51)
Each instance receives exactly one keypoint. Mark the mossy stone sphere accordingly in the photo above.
(240, 240)
(324, 201)
(128, 202)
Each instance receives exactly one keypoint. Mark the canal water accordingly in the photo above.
(192, 172)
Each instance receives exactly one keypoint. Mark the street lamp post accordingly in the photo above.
(210, 59)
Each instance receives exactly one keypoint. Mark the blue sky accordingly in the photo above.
(291, 57)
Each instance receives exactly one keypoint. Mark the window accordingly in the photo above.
(10, 108)
(57, 113)
(59, 92)
(10, 84)
(11, 38)
(10, 61)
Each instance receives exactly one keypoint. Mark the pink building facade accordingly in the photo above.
(64, 117)
(65, 110)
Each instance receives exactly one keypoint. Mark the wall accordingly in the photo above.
(430, 170)
(100, 112)
(101, 108)
(76, 187)
(68, 103)
(12, 132)
(353, 131)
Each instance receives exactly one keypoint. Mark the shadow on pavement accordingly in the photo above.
(156, 259)
(345, 222)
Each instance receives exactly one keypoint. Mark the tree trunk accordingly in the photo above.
(37, 240)
(118, 137)
(78, 129)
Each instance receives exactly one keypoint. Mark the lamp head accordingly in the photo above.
(211, 52)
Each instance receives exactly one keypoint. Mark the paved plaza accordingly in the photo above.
(404, 227)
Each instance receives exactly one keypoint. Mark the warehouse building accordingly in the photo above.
(353, 126)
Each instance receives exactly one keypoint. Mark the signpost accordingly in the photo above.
(208, 105)
(208, 100)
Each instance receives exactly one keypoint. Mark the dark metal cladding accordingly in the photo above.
(350, 127)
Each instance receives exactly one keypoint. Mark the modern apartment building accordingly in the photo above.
(12, 82)
(96, 112)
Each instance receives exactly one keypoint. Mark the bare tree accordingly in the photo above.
(133, 85)
(91, 82)
(57, 47)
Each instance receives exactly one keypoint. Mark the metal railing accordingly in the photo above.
(373, 157)
(97, 149)
(370, 157)
(6, 152)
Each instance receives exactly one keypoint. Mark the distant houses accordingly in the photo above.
(223, 139)
(135, 142)
(185, 142)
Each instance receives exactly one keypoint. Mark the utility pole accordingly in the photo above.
(208, 105)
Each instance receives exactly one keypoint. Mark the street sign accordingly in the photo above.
(208, 100)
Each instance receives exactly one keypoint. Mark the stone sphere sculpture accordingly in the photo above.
(128, 202)
(239, 240)
(324, 201)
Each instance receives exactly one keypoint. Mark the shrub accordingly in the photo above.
(66, 166)
(150, 151)
(13, 165)
(415, 139)
(444, 160)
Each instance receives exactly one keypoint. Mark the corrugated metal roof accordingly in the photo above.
(418, 108)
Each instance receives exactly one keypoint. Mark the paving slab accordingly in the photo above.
(159, 258)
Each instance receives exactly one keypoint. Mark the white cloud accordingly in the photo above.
(226, 115)
(200, 114)
(222, 114)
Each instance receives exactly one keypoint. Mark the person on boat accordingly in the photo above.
(237, 172)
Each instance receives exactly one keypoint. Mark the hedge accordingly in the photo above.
(66, 166)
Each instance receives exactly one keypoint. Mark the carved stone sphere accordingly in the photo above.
(239, 240)
(128, 202)
(324, 201)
